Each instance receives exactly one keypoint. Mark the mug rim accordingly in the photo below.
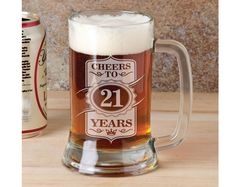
(109, 12)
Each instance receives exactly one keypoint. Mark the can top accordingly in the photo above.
(30, 19)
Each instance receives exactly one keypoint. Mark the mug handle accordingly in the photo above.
(185, 107)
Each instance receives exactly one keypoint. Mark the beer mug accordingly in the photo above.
(110, 88)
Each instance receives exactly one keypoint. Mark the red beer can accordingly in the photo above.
(34, 76)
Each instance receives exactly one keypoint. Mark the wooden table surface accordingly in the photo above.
(192, 164)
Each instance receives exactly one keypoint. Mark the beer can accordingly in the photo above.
(34, 76)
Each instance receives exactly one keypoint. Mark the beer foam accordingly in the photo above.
(111, 35)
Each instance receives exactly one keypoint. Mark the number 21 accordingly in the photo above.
(108, 94)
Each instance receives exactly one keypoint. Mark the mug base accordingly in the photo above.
(89, 160)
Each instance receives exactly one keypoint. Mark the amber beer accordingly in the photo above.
(108, 99)
(110, 78)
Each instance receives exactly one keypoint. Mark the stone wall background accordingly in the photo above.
(192, 22)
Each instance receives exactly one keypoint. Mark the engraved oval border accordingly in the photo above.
(109, 83)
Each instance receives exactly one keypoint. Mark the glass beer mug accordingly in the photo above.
(110, 87)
